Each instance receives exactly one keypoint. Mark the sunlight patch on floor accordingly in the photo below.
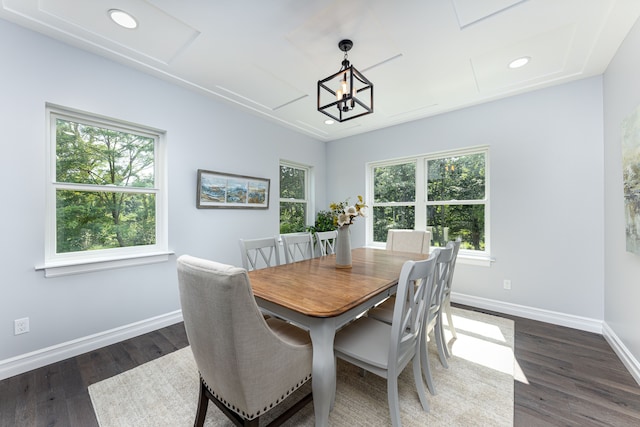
(476, 328)
(482, 343)
(518, 374)
(492, 355)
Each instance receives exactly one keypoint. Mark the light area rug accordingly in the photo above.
(476, 390)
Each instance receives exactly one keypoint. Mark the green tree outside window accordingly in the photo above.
(454, 201)
(105, 190)
(293, 198)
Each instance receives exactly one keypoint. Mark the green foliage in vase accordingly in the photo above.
(324, 222)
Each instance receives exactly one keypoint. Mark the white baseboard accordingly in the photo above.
(554, 317)
(36, 359)
(629, 361)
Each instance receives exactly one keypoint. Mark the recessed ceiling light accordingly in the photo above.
(123, 19)
(329, 122)
(520, 62)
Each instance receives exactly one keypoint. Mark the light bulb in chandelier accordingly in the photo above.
(346, 95)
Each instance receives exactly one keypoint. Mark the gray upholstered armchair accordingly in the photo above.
(247, 364)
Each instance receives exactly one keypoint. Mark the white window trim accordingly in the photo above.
(308, 190)
(482, 258)
(81, 262)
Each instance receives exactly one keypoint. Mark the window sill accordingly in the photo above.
(67, 268)
(481, 261)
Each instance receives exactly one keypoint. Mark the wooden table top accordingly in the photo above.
(317, 288)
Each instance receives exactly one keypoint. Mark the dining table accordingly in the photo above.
(321, 298)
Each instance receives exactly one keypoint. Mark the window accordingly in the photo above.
(456, 200)
(105, 197)
(394, 198)
(445, 193)
(294, 197)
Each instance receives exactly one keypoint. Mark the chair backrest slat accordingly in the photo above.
(326, 241)
(259, 253)
(455, 245)
(297, 246)
(437, 292)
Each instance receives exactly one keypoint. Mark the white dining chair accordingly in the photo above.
(402, 241)
(418, 241)
(326, 241)
(385, 312)
(386, 349)
(297, 246)
(259, 253)
(433, 317)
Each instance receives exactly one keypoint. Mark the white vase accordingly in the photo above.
(343, 247)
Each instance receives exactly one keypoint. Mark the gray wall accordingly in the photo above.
(622, 269)
(201, 133)
(545, 184)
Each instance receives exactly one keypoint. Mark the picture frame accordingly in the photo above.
(219, 190)
(631, 188)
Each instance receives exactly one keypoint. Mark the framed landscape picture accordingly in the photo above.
(631, 179)
(223, 190)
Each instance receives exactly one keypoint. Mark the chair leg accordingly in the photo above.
(426, 367)
(447, 352)
(447, 308)
(417, 378)
(440, 343)
(394, 401)
(203, 403)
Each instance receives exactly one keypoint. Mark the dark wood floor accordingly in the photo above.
(573, 379)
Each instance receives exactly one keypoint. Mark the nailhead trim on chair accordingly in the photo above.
(257, 414)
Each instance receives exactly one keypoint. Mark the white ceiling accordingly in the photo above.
(424, 57)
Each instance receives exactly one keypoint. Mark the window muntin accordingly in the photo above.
(445, 193)
(294, 197)
(105, 197)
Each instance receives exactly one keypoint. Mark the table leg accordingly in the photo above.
(323, 382)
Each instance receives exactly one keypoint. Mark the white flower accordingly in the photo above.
(344, 214)
(343, 219)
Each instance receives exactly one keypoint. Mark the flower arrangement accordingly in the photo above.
(344, 214)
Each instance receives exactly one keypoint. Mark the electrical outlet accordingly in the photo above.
(507, 284)
(21, 326)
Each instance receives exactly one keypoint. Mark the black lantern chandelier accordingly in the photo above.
(346, 94)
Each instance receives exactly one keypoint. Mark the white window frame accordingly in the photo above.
(60, 264)
(467, 256)
(308, 190)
